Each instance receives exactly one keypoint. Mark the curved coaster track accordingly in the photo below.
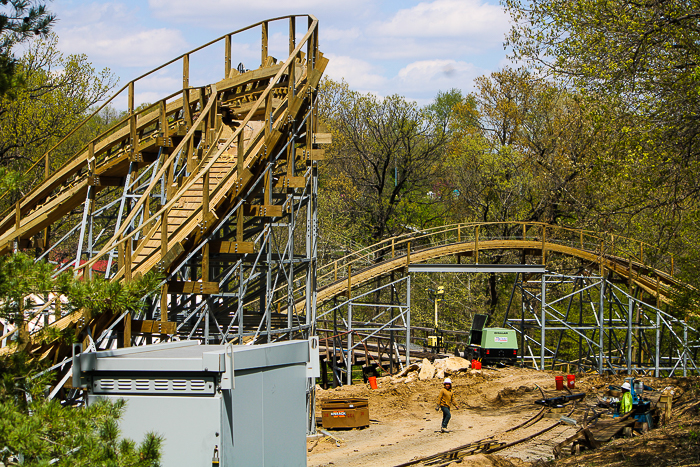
(213, 186)
(637, 262)
(588, 300)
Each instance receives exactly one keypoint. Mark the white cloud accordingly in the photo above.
(359, 74)
(439, 29)
(110, 34)
(423, 79)
(447, 18)
(230, 14)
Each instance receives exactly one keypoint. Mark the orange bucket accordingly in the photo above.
(571, 381)
(560, 382)
(372, 382)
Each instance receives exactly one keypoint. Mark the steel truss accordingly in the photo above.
(350, 327)
(590, 323)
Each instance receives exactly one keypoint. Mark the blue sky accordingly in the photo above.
(407, 47)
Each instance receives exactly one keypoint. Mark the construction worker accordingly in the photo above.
(626, 402)
(444, 403)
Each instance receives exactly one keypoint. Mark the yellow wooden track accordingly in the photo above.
(223, 134)
(639, 263)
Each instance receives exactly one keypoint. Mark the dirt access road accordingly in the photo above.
(405, 424)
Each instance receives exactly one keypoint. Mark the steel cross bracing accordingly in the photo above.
(358, 322)
(590, 323)
(213, 186)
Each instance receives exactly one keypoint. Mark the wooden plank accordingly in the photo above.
(311, 154)
(322, 138)
(174, 252)
(255, 75)
(291, 182)
(221, 246)
(192, 287)
(153, 327)
(262, 210)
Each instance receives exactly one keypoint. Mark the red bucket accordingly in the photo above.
(571, 381)
(560, 382)
(476, 365)
(372, 382)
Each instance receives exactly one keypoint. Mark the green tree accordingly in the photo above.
(19, 21)
(389, 151)
(54, 97)
(37, 432)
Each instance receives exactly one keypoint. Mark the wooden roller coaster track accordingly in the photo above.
(637, 262)
(204, 186)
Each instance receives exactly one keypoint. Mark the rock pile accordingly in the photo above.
(438, 369)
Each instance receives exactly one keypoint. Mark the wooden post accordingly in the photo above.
(239, 174)
(164, 302)
(335, 270)
(459, 233)
(18, 217)
(544, 240)
(227, 56)
(164, 234)
(393, 247)
(185, 91)
(408, 254)
(127, 330)
(524, 231)
(205, 194)
(205, 262)
(127, 259)
(672, 268)
(658, 295)
(264, 44)
(349, 282)
(476, 245)
(292, 36)
(47, 166)
(132, 120)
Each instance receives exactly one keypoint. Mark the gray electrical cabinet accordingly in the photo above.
(246, 403)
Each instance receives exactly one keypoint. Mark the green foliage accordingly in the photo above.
(21, 276)
(388, 150)
(55, 95)
(42, 432)
(19, 21)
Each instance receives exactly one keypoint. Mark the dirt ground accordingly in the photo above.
(405, 426)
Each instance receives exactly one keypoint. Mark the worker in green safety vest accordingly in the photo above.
(626, 402)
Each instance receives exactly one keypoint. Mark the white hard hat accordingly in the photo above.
(626, 385)
(447, 381)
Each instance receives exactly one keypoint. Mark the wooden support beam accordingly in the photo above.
(291, 182)
(148, 326)
(222, 247)
(205, 263)
(127, 330)
(193, 287)
(265, 32)
(292, 34)
(170, 256)
(185, 91)
(164, 303)
(322, 138)
(227, 56)
(311, 154)
(264, 210)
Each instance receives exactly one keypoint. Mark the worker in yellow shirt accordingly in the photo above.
(626, 402)
(444, 403)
